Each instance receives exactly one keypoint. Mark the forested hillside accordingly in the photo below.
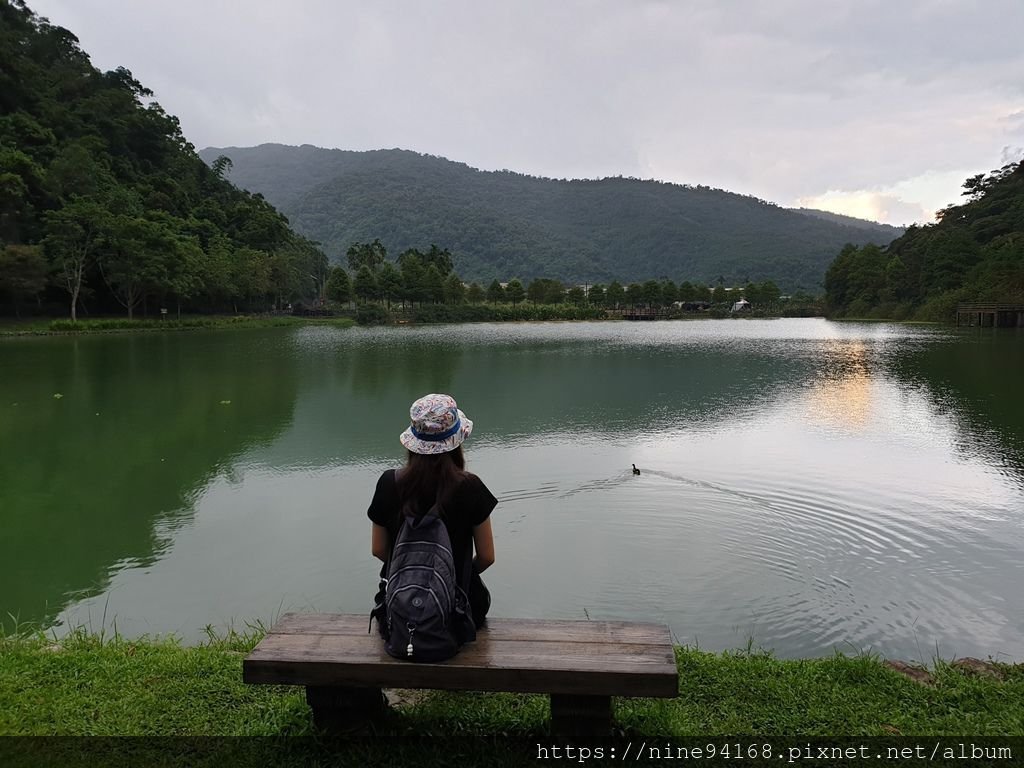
(887, 231)
(500, 225)
(974, 252)
(105, 206)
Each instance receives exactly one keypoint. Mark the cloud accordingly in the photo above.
(1011, 155)
(783, 100)
(873, 206)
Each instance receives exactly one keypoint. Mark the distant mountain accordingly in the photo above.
(886, 230)
(501, 224)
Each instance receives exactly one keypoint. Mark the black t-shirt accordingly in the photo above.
(469, 504)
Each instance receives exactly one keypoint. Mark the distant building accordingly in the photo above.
(741, 306)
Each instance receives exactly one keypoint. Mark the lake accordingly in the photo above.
(805, 485)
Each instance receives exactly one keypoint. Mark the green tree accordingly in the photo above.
(615, 295)
(23, 273)
(595, 295)
(650, 293)
(686, 291)
(554, 292)
(719, 295)
(73, 238)
(250, 275)
(371, 255)
(897, 286)
(474, 294)
(389, 280)
(535, 291)
(769, 292)
(576, 295)
(752, 293)
(433, 284)
(454, 290)
(414, 288)
(442, 259)
(495, 292)
(635, 294)
(669, 293)
(365, 284)
(136, 258)
(514, 292)
(339, 287)
(185, 270)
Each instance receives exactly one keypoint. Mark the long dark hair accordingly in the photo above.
(429, 477)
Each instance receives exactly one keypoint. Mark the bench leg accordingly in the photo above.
(581, 718)
(336, 707)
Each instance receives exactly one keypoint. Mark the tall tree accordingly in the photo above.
(414, 288)
(634, 294)
(495, 292)
(614, 295)
(669, 292)
(454, 291)
(365, 284)
(440, 258)
(136, 258)
(23, 272)
(371, 255)
(339, 288)
(73, 238)
(536, 290)
(514, 292)
(389, 281)
(433, 284)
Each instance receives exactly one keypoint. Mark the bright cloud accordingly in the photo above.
(874, 206)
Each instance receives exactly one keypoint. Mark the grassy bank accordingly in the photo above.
(86, 686)
(114, 325)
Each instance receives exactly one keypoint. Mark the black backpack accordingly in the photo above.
(422, 607)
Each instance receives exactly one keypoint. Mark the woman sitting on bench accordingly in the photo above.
(435, 473)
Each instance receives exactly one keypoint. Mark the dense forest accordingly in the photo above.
(503, 225)
(104, 205)
(974, 252)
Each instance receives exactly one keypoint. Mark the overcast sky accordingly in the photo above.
(876, 108)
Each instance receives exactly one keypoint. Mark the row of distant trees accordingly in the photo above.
(428, 277)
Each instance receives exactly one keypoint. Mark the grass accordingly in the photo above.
(88, 684)
(187, 323)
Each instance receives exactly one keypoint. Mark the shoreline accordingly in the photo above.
(24, 329)
(91, 684)
(63, 327)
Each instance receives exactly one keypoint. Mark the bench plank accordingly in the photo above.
(503, 629)
(535, 656)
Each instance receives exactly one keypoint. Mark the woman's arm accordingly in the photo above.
(379, 542)
(483, 542)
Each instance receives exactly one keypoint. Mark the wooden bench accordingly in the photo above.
(580, 664)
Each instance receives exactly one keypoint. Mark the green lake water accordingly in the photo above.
(805, 484)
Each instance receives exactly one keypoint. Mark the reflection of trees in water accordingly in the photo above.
(977, 381)
(138, 433)
(523, 390)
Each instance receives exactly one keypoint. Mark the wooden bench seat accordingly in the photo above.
(580, 664)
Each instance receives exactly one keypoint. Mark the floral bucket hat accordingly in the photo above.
(437, 425)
